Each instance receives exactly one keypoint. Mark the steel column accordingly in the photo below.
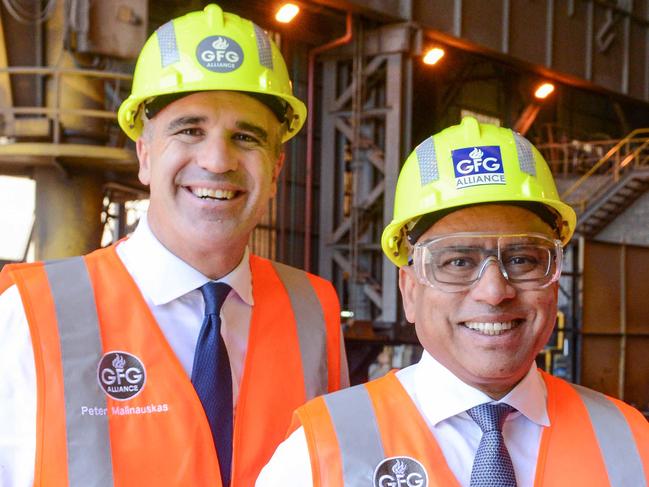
(361, 150)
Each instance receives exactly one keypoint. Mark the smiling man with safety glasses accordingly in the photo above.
(477, 233)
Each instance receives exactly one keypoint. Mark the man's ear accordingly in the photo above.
(276, 170)
(408, 285)
(142, 150)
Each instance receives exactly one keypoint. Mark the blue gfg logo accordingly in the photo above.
(475, 166)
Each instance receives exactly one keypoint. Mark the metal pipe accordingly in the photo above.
(309, 133)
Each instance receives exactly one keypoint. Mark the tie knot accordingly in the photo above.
(490, 417)
(214, 294)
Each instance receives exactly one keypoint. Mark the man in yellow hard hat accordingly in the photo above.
(174, 358)
(477, 234)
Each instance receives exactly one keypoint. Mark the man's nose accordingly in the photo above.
(218, 155)
(492, 286)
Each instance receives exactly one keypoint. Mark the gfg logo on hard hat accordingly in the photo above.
(220, 54)
(476, 166)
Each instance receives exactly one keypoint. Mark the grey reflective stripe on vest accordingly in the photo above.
(264, 48)
(167, 42)
(615, 439)
(357, 431)
(427, 159)
(525, 155)
(88, 440)
(311, 328)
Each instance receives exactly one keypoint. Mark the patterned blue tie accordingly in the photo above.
(212, 378)
(492, 466)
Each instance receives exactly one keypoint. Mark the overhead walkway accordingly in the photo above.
(604, 177)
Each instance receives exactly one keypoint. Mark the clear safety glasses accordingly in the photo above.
(455, 262)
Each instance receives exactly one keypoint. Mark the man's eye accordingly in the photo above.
(247, 138)
(521, 259)
(524, 262)
(191, 131)
(456, 262)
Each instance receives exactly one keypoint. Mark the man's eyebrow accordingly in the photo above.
(176, 123)
(255, 129)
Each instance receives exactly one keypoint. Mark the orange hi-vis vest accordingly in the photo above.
(116, 408)
(373, 435)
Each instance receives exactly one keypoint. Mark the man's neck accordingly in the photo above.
(214, 261)
(214, 264)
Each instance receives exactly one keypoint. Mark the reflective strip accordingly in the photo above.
(357, 431)
(615, 440)
(263, 47)
(427, 159)
(167, 41)
(525, 155)
(88, 440)
(311, 328)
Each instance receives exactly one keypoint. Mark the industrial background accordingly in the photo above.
(378, 77)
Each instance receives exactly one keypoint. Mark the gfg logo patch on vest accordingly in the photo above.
(475, 166)
(219, 54)
(400, 472)
(121, 375)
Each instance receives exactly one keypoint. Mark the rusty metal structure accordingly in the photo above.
(58, 96)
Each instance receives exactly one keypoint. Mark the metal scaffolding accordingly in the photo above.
(362, 140)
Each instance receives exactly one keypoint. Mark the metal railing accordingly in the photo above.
(599, 165)
(55, 111)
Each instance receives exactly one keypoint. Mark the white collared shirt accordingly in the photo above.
(442, 399)
(169, 287)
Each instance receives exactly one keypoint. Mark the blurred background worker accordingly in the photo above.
(175, 357)
(477, 233)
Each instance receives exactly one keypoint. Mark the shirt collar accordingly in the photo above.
(442, 395)
(163, 277)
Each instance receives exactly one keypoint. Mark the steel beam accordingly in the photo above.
(593, 44)
(361, 150)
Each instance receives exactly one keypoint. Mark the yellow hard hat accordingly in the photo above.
(468, 164)
(210, 50)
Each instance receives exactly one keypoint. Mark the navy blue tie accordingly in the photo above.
(212, 378)
(492, 466)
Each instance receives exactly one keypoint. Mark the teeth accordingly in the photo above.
(220, 194)
(497, 328)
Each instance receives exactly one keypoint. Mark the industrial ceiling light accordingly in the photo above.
(433, 55)
(543, 90)
(287, 12)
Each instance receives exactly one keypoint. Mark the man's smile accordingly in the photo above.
(213, 193)
(492, 328)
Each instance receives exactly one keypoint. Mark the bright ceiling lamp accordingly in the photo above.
(433, 55)
(543, 91)
(287, 12)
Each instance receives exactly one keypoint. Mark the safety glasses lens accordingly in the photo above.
(455, 262)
